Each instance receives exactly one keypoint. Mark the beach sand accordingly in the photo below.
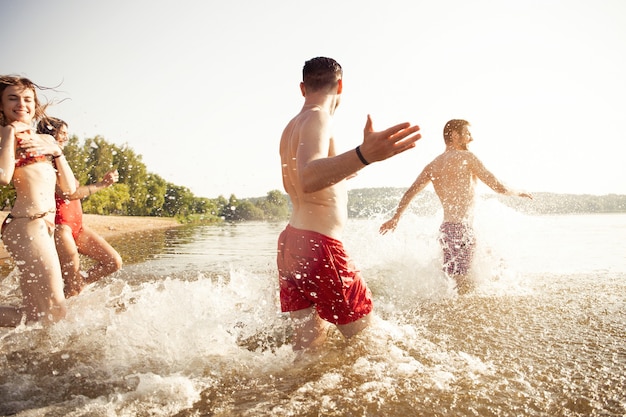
(109, 226)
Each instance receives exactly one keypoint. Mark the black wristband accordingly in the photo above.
(360, 155)
(57, 157)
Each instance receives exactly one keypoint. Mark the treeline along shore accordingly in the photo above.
(142, 193)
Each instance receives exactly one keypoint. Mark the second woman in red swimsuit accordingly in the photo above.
(72, 237)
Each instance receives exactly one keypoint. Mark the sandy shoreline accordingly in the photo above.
(109, 226)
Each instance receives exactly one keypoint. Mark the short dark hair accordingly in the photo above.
(50, 126)
(319, 73)
(454, 125)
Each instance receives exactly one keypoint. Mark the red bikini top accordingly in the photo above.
(25, 159)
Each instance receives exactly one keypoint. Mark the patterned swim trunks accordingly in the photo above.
(458, 242)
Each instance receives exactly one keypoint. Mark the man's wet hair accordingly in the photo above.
(320, 73)
(454, 125)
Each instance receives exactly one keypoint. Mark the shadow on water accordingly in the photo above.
(142, 246)
(133, 247)
(193, 247)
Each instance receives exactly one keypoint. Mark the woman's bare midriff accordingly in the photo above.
(34, 187)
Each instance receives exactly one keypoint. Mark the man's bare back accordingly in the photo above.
(323, 211)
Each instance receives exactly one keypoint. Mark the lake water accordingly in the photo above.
(191, 327)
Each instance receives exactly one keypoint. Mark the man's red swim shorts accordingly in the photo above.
(314, 269)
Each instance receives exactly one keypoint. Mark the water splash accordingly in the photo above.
(167, 339)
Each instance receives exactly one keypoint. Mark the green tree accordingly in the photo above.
(108, 201)
(220, 204)
(155, 199)
(275, 206)
(246, 210)
(78, 158)
(7, 196)
(100, 158)
(228, 208)
(178, 201)
(133, 172)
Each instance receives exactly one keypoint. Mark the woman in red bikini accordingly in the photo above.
(72, 237)
(35, 165)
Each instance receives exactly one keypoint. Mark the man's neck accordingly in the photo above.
(328, 103)
(456, 147)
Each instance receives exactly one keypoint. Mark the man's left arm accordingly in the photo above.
(492, 182)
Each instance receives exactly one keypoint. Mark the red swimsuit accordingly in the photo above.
(70, 213)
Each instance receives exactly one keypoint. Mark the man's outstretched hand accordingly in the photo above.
(378, 146)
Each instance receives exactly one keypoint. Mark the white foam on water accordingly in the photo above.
(406, 265)
(159, 336)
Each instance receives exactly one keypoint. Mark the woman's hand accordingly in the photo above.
(23, 133)
(110, 178)
(37, 144)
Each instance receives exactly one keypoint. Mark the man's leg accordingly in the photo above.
(309, 331)
(351, 329)
(463, 284)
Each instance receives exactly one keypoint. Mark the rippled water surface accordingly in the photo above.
(191, 326)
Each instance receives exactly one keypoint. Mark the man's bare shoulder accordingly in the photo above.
(310, 118)
(313, 120)
(450, 161)
(439, 161)
(469, 158)
(456, 156)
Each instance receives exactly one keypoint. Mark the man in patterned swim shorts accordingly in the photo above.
(318, 281)
(454, 175)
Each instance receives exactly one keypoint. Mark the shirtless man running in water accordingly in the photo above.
(454, 174)
(318, 280)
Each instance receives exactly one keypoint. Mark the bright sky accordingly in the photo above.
(203, 89)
